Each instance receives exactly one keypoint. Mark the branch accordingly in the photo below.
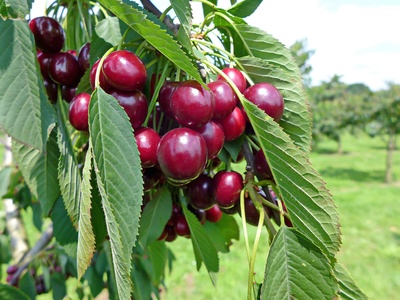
(148, 5)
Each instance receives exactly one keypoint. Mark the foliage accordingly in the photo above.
(91, 184)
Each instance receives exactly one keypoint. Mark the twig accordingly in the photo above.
(147, 4)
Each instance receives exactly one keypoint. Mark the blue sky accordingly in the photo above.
(357, 39)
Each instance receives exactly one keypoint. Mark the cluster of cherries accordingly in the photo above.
(180, 139)
(59, 68)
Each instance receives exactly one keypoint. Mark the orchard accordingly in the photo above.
(131, 130)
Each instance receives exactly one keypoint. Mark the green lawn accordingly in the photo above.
(369, 212)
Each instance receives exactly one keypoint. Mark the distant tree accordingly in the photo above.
(302, 56)
(384, 122)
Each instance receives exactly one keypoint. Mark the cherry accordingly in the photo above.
(51, 89)
(214, 137)
(262, 169)
(182, 227)
(227, 186)
(12, 269)
(79, 112)
(199, 213)
(267, 97)
(199, 192)
(231, 210)
(225, 100)
(44, 60)
(214, 214)
(182, 155)
(192, 105)
(164, 97)
(251, 212)
(151, 177)
(233, 125)
(72, 52)
(102, 80)
(147, 140)
(163, 234)
(170, 234)
(48, 34)
(236, 76)
(64, 69)
(134, 104)
(83, 58)
(68, 92)
(124, 71)
(176, 212)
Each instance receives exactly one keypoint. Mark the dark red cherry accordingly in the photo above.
(199, 213)
(44, 60)
(267, 97)
(83, 58)
(176, 212)
(135, 105)
(227, 186)
(102, 81)
(124, 71)
(68, 92)
(262, 169)
(182, 155)
(233, 125)
(79, 112)
(170, 234)
(214, 136)
(164, 97)
(225, 100)
(236, 76)
(192, 105)
(214, 214)
(72, 52)
(199, 192)
(48, 34)
(51, 89)
(147, 140)
(182, 227)
(64, 69)
(251, 212)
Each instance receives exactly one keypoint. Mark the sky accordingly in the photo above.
(355, 39)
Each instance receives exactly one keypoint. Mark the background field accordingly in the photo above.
(369, 211)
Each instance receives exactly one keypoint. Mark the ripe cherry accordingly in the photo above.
(267, 97)
(199, 192)
(233, 125)
(214, 137)
(64, 69)
(251, 212)
(225, 100)
(51, 89)
(83, 58)
(164, 97)
(170, 233)
(44, 60)
(262, 169)
(176, 212)
(48, 34)
(68, 92)
(147, 140)
(227, 186)
(134, 104)
(214, 214)
(236, 76)
(182, 227)
(199, 213)
(102, 80)
(124, 71)
(79, 112)
(192, 105)
(182, 155)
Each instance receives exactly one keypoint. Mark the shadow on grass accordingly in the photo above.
(329, 151)
(353, 175)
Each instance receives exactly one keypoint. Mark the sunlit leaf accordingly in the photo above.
(348, 290)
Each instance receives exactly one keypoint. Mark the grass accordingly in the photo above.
(369, 214)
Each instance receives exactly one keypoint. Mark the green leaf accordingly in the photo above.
(98, 47)
(10, 292)
(95, 280)
(203, 247)
(86, 239)
(25, 112)
(119, 178)
(58, 285)
(40, 171)
(277, 63)
(154, 35)
(84, 84)
(5, 175)
(297, 269)
(108, 29)
(14, 9)
(307, 199)
(97, 214)
(223, 232)
(68, 171)
(296, 119)
(155, 215)
(27, 285)
(64, 231)
(348, 290)
(183, 11)
(158, 252)
(244, 8)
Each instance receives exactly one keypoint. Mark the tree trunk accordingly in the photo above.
(391, 146)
